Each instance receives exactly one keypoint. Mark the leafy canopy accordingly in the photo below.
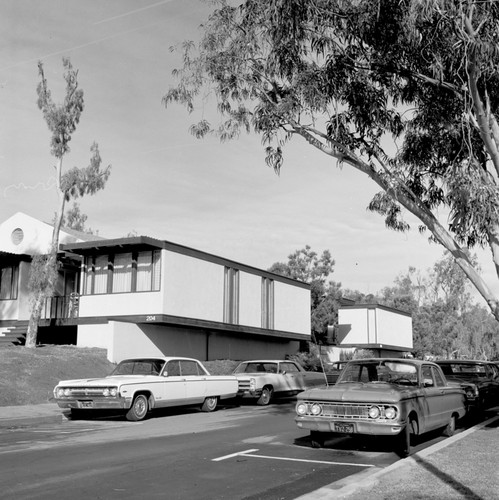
(406, 91)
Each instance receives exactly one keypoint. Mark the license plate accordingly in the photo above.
(348, 428)
(86, 404)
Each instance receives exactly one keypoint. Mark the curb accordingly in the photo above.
(12, 423)
(344, 487)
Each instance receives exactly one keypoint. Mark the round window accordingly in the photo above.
(17, 236)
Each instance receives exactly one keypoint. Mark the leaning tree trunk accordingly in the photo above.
(34, 320)
(44, 275)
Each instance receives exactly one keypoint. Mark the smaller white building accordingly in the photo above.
(384, 330)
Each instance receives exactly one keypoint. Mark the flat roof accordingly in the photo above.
(121, 245)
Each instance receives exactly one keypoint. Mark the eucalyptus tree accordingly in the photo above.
(404, 91)
(71, 183)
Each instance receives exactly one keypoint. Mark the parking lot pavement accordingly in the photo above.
(461, 467)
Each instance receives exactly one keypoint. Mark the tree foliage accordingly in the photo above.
(75, 182)
(75, 219)
(405, 91)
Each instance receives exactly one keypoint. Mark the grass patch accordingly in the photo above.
(28, 376)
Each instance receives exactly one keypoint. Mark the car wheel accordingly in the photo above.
(209, 404)
(317, 439)
(265, 397)
(450, 429)
(406, 436)
(139, 408)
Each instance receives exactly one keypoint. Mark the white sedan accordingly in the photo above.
(139, 385)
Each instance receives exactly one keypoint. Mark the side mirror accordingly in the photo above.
(165, 374)
(428, 382)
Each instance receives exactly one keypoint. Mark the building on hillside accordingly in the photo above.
(143, 296)
(385, 331)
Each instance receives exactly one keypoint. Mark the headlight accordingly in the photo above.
(113, 391)
(470, 393)
(374, 412)
(66, 391)
(105, 391)
(316, 409)
(301, 408)
(390, 412)
(252, 384)
(60, 392)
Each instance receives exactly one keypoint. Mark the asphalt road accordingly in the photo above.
(246, 452)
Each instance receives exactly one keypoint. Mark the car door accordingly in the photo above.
(434, 398)
(173, 387)
(195, 381)
(291, 377)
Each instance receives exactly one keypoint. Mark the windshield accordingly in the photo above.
(256, 367)
(392, 372)
(464, 369)
(139, 367)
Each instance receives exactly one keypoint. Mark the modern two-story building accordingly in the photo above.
(144, 296)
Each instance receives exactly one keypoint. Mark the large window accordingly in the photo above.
(123, 272)
(231, 296)
(8, 282)
(267, 303)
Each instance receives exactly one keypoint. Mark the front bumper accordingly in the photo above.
(348, 426)
(250, 394)
(117, 403)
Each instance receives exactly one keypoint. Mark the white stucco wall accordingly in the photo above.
(291, 308)
(394, 329)
(96, 336)
(121, 304)
(36, 235)
(193, 288)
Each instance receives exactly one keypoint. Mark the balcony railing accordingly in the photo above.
(62, 307)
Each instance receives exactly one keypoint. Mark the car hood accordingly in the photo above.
(107, 381)
(360, 392)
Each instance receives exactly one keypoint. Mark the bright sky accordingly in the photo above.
(220, 198)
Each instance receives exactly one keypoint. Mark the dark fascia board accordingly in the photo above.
(146, 242)
(377, 346)
(179, 321)
(13, 258)
(376, 306)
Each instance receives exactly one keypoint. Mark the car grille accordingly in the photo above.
(85, 392)
(343, 410)
(244, 384)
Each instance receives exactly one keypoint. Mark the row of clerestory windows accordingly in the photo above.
(122, 272)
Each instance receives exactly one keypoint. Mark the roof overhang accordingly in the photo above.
(14, 258)
(164, 319)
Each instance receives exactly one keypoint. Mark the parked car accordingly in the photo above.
(138, 385)
(333, 370)
(274, 378)
(403, 398)
(481, 376)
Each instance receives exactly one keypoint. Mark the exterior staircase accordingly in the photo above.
(15, 335)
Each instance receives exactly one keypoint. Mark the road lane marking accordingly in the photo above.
(232, 455)
(248, 453)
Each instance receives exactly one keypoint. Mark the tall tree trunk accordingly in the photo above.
(48, 274)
